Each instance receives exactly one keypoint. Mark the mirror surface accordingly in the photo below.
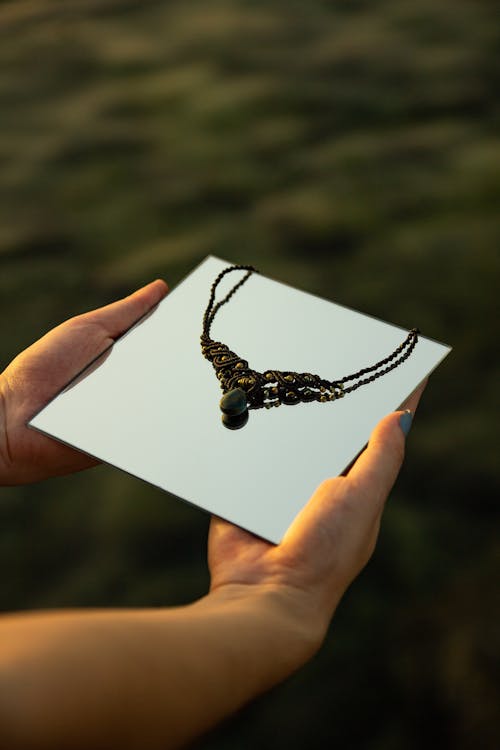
(150, 405)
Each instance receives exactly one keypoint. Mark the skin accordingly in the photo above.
(157, 678)
(39, 372)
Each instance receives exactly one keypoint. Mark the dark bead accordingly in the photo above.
(234, 402)
(308, 395)
(235, 422)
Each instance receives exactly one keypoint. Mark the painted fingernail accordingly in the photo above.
(405, 421)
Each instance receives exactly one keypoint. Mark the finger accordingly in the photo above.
(374, 472)
(119, 316)
(380, 462)
(372, 475)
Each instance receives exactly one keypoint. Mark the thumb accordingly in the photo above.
(53, 360)
(119, 316)
(374, 472)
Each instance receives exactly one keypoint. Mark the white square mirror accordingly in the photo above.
(150, 404)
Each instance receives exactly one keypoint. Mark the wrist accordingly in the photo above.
(287, 617)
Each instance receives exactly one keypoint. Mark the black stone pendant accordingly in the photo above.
(234, 402)
(234, 409)
(235, 423)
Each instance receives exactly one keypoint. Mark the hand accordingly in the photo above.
(327, 545)
(38, 373)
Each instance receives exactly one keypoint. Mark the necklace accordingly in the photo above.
(245, 388)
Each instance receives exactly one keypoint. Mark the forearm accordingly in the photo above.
(143, 679)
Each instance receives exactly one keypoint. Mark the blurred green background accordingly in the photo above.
(347, 148)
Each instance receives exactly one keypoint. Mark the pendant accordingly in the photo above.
(234, 409)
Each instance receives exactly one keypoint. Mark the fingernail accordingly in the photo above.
(405, 421)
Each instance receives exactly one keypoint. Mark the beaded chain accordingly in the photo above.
(245, 388)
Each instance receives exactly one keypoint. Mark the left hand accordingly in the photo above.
(38, 373)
